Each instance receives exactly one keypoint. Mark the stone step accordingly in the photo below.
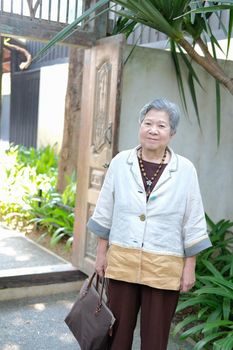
(28, 269)
(37, 281)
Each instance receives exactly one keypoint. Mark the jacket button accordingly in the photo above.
(142, 217)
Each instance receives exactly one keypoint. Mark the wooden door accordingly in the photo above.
(98, 138)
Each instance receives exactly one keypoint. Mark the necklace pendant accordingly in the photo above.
(149, 182)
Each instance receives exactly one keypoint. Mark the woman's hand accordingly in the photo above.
(188, 276)
(101, 257)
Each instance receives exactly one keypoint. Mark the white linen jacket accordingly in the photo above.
(148, 240)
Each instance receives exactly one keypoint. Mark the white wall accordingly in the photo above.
(53, 84)
(5, 113)
(149, 74)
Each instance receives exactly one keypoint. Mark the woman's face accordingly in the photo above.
(155, 131)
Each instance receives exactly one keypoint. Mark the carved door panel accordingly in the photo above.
(98, 138)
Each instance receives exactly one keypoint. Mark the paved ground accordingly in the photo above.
(17, 252)
(37, 323)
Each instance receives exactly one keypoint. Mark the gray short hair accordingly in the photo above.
(162, 104)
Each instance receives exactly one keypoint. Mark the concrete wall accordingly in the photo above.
(53, 84)
(148, 74)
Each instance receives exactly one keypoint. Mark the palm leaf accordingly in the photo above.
(189, 66)
(170, 8)
(178, 74)
(125, 26)
(191, 76)
(230, 25)
(210, 34)
(149, 15)
(215, 42)
(208, 9)
(133, 48)
(218, 97)
(194, 98)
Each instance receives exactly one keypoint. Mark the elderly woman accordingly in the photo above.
(150, 223)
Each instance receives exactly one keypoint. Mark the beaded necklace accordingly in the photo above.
(149, 182)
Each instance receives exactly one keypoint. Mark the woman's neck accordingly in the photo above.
(154, 156)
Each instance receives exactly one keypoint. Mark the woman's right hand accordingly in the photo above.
(101, 257)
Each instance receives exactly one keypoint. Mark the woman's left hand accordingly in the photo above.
(188, 276)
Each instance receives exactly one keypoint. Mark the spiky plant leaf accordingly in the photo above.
(208, 9)
(230, 25)
(178, 74)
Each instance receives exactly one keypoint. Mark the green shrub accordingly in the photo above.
(28, 192)
(210, 306)
(44, 160)
(51, 213)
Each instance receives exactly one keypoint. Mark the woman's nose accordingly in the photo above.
(153, 130)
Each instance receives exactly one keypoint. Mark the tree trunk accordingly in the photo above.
(69, 150)
(208, 63)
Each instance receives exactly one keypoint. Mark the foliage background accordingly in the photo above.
(28, 192)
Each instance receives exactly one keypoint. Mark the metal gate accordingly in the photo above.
(24, 108)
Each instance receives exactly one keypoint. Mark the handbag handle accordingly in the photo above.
(99, 305)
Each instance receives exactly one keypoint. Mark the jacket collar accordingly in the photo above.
(173, 164)
(171, 167)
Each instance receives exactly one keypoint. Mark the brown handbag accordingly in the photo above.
(90, 320)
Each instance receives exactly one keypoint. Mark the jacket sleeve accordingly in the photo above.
(101, 220)
(195, 233)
